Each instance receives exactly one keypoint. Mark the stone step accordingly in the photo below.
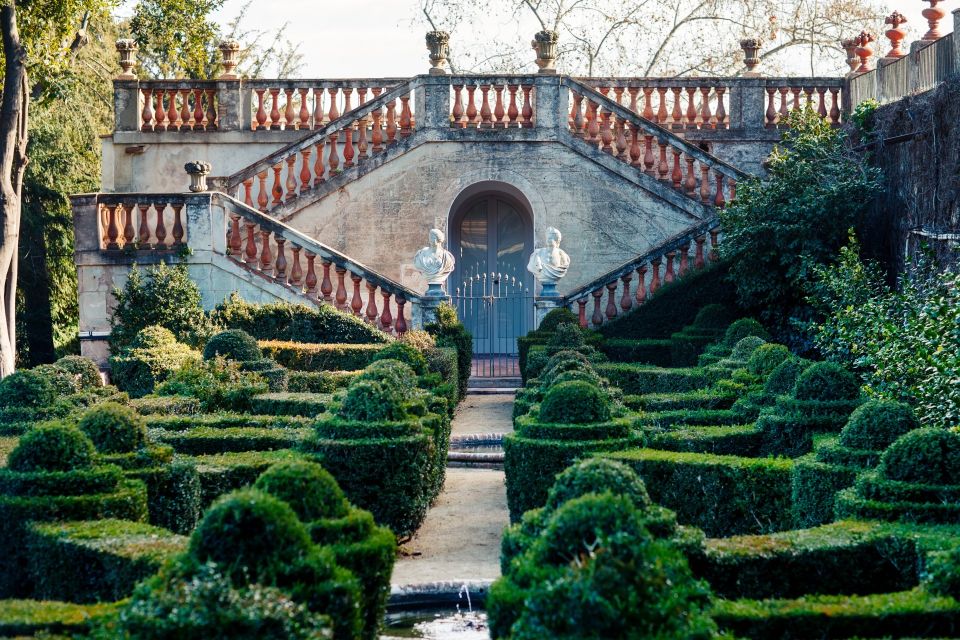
(493, 383)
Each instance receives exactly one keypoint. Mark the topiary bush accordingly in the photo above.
(26, 388)
(714, 317)
(942, 575)
(233, 344)
(783, 378)
(742, 328)
(307, 487)
(766, 358)
(450, 332)
(114, 428)
(583, 375)
(575, 402)
(52, 447)
(567, 336)
(393, 374)
(84, 369)
(924, 456)
(405, 353)
(151, 357)
(826, 382)
(876, 424)
(555, 318)
(419, 339)
(219, 384)
(598, 475)
(745, 347)
(371, 401)
(560, 362)
(63, 382)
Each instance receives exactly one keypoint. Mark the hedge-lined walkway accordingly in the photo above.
(460, 539)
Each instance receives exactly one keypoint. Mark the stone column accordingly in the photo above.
(233, 108)
(126, 105)
(432, 102)
(544, 306)
(551, 105)
(749, 108)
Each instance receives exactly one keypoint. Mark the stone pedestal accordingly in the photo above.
(432, 103)
(545, 305)
(428, 309)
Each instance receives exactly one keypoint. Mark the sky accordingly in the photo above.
(376, 38)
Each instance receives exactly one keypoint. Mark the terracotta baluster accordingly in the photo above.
(822, 102)
(593, 122)
(113, 229)
(333, 160)
(676, 117)
(266, 257)
(340, 300)
(698, 256)
(663, 169)
(654, 275)
(618, 95)
(356, 303)
(275, 108)
(317, 107)
(161, 229)
(288, 114)
(704, 183)
(771, 108)
(471, 107)
(291, 177)
(311, 280)
(527, 112)
(178, 229)
(677, 175)
(597, 318)
(626, 301)
(635, 99)
(796, 97)
(808, 92)
(721, 108)
(668, 276)
(641, 284)
(144, 229)
(577, 121)
(211, 124)
(306, 174)
(333, 113)
(248, 192)
(326, 286)
(714, 255)
(391, 122)
(733, 189)
(611, 302)
(235, 241)
(648, 159)
(261, 117)
(933, 15)
(146, 116)
(319, 168)
(303, 118)
(348, 151)
(705, 115)
(277, 190)
(251, 253)
(623, 152)
(128, 233)
(457, 112)
(606, 135)
(582, 312)
(262, 195)
(401, 323)
(691, 108)
(635, 151)
(498, 109)
(662, 105)
(784, 110)
(281, 264)
(173, 113)
(296, 272)
(362, 141)
(684, 259)
(648, 103)
(690, 185)
(406, 118)
(160, 113)
(719, 201)
(835, 105)
(198, 110)
(371, 303)
(386, 319)
(347, 94)
(513, 111)
(376, 134)
(486, 117)
(361, 96)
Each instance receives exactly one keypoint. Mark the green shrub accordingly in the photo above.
(741, 329)
(875, 425)
(657, 352)
(405, 353)
(577, 375)
(219, 384)
(307, 487)
(152, 356)
(766, 358)
(114, 428)
(166, 405)
(598, 475)
(928, 456)
(713, 317)
(167, 298)
(560, 362)
(450, 332)
(26, 388)
(641, 379)
(284, 321)
(319, 381)
(31, 618)
(63, 382)
(783, 378)
(574, 402)
(86, 370)
(393, 374)
(555, 318)
(302, 356)
(942, 575)
(745, 348)
(233, 344)
(367, 400)
(222, 473)
(814, 489)
(53, 447)
(214, 440)
(826, 381)
(309, 405)
(567, 336)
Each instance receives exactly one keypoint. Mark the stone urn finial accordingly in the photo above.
(434, 263)
(751, 56)
(933, 15)
(438, 43)
(850, 46)
(229, 49)
(127, 48)
(549, 263)
(198, 170)
(545, 44)
(895, 35)
(864, 51)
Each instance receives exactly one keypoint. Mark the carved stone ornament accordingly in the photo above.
(549, 263)
(850, 46)
(545, 44)
(198, 170)
(438, 43)
(895, 35)
(864, 51)
(229, 49)
(127, 48)
(434, 263)
(751, 56)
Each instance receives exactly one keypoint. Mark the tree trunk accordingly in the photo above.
(13, 161)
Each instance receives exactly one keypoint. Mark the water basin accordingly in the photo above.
(436, 624)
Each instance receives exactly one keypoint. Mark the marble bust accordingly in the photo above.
(549, 263)
(435, 263)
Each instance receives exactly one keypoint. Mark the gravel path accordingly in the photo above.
(460, 539)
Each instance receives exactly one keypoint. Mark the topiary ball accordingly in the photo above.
(52, 447)
(307, 487)
(567, 336)
(254, 536)
(114, 428)
(574, 402)
(563, 361)
(153, 337)
(826, 382)
(391, 373)
(233, 344)
(575, 526)
(745, 347)
(371, 401)
(555, 318)
(741, 329)
(84, 369)
(28, 389)
(406, 354)
(713, 316)
(924, 456)
(584, 375)
(876, 424)
(598, 475)
(766, 358)
(63, 382)
(783, 378)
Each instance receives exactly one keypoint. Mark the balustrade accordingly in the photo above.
(676, 104)
(307, 104)
(499, 104)
(141, 222)
(178, 106)
(783, 99)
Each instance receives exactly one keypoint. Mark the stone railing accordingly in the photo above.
(512, 101)
(141, 222)
(175, 105)
(673, 255)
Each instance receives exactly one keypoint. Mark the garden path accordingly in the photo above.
(460, 538)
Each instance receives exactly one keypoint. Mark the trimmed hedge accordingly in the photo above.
(29, 618)
(657, 352)
(742, 440)
(688, 400)
(308, 405)
(302, 356)
(173, 494)
(222, 473)
(814, 489)
(723, 495)
(167, 405)
(227, 421)
(639, 379)
(152, 357)
(319, 381)
(202, 441)
(690, 417)
(96, 561)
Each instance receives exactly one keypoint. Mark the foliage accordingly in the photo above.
(176, 36)
(826, 381)
(745, 348)
(305, 356)
(743, 328)
(450, 332)
(219, 384)
(713, 316)
(942, 575)
(395, 374)
(598, 475)
(926, 456)
(783, 378)
(26, 388)
(420, 339)
(168, 298)
(574, 402)
(779, 229)
(405, 353)
(874, 425)
(149, 359)
(233, 344)
(555, 318)
(904, 344)
(52, 447)
(567, 336)
(85, 369)
(767, 358)
(307, 487)
(863, 116)
(114, 428)
(368, 400)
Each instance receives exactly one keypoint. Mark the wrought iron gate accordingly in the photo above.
(497, 309)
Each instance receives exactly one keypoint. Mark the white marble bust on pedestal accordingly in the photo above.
(435, 263)
(549, 263)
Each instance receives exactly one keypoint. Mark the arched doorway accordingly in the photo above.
(492, 238)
